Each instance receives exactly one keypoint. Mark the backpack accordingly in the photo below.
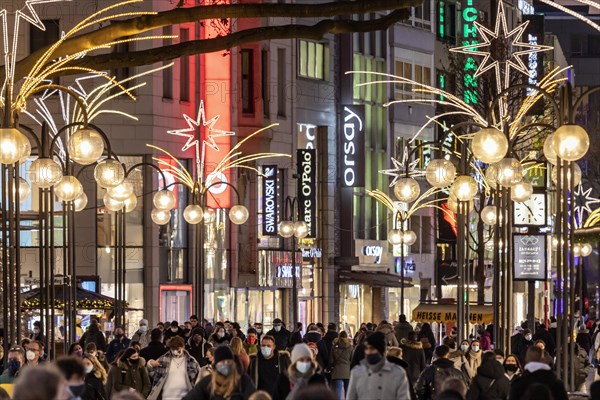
(439, 376)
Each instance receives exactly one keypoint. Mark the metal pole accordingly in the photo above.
(294, 286)
(402, 271)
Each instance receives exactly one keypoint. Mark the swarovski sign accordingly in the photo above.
(307, 186)
(353, 146)
(269, 200)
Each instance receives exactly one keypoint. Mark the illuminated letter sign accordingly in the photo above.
(307, 184)
(535, 61)
(373, 251)
(469, 16)
(269, 200)
(353, 146)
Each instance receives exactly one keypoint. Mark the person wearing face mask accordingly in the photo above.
(227, 382)
(95, 378)
(489, 383)
(522, 347)
(281, 335)
(457, 356)
(128, 372)
(75, 350)
(474, 356)
(92, 350)
(172, 331)
(258, 326)
(301, 372)
(37, 333)
(251, 342)
(267, 364)
(512, 367)
(142, 335)
(33, 354)
(219, 337)
(414, 355)
(430, 383)
(197, 345)
(207, 370)
(74, 373)
(175, 373)
(14, 364)
(375, 377)
(120, 342)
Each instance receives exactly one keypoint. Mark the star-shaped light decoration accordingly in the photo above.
(402, 168)
(583, 202)
(192, 134)
(501, 49)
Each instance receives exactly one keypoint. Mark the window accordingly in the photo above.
(416, 72)
(39, 39)
(247, 58)
(422, 226)
(314, 60)
(446, 21)
(421, 16)
(167, 73)
(281, 82)
(264, 81)
(184, 68)
(593, 45)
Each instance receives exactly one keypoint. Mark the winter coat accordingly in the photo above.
(282, 338)
(251, 349)
(402, 330)
(523, 349)
(547, 378)
(323, 354)
(388, 331)
(585, 341)
(382, 381)
(431, 339)
(216, 341)
(123, 376)
(160, 373)
(542, 334)
(413, 354)
(426, 384)
(168, 334)
(485, 341)
(202, 390)
(198, 351)
(93, 336)
(490, 383)
(142, 337)
(329, 338)
(115, 347)
(153, 351)
(474, 360)
(284, 385)
(461, 363)
(264, 373)
(340, 358)
(582, 365)
(94, 389)
(404, 365)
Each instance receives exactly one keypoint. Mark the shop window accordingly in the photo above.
(313, 61)
(184, 68)
(247, 59)
(167, 73)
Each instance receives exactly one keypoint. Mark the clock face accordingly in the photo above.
(532, 211)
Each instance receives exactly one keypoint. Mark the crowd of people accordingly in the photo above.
(197, 360)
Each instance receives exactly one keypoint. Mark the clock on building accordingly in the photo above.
(531, 212)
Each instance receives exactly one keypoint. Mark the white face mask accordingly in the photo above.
(277, 328)
(221, 334)
(89, 368)
(464, 347)
(475, 348)
(303, 366)
(528, 337)
(266, 351)
(174, 329)
(177, 353)
(30, 355)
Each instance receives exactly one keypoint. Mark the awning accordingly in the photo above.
(380, 279)
(85, 300)
(448, 313)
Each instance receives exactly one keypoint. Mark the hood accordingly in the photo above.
(491, 369)
(312, 336)
(397, 361)
(385, 328)
(343, 343)
(444, 363)
(413, 345)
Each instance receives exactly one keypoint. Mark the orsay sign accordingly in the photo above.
(353, 146)
(269, 200)
(373, 251)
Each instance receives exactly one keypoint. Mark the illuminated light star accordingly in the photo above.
(192, 134)
(583, 202)
(501, 49)
(401, 168)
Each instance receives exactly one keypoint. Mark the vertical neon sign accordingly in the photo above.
(469, 37)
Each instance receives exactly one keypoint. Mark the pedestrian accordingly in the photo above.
(259, 330)
(142, 335)
(187, 330)
(100, 356)
(127, 372)
(521, 349)
(584, 340)
(552, 329)
(455, 385)
(226, 382)
(425, 336)
(75, 350)
(388, 330)
(512, 367)
(219, 337)
(314, 339)
(485, 340)
(93, 335)
(43, 383)
(537, 371)
(198, 346)
(376, 377)
(581, 366)
(542, 334)
(361, 335)
(402, 329)
(236, 331)
(74, 373)
(414, 355)
(208, 368)
(489, 383)
(268, 364)
(38, 332)
(330, 336)
(281, 335)
(547, 357)
(33, 353)
(120, 342)
(95, 379)
(155, 348)
(251, 344)
(474, 357)
(339, 362)
(301, 372)
(238, 350)
(457, 356)
(194, 321)
(429, 384)
(394, 355)
(174, 374)
(173, 330)
(14, 365)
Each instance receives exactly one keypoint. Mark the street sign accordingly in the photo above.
(529, 257)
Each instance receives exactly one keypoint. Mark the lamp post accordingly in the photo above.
(293, 227)
(400, 236)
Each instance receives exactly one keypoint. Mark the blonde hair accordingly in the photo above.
(225, 386)
(99, 370)
(236, 346)
(394, 352)
(260, 395)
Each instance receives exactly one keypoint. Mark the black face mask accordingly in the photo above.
(373, 359)
(77, 390)
(135, 361)
(511, 367)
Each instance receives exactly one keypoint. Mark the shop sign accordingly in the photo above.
(529, 257)
(373, 251)
(307, 134)
(469, 16)
(285, 271)
(353, 146)
(307, 187)
(312, 252)
(269, 200)
(275, 269)
(448, 316)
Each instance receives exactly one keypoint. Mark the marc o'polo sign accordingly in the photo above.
(269, 200)
(307, 187)
(353, 146)
(529, 257)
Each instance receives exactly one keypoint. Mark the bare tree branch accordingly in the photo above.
(314, 32)
(138, 25)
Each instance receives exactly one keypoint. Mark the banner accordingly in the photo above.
(307, 188)
(529, 257)
(270, 200)
(353, 146)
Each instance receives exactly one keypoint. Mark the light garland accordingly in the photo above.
(583, 202)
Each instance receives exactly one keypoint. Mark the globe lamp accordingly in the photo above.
(488, 215)
(238, 214)
(571, 142)
(407, 189)
(109, 173)
(68, 189)
(164, 200)
(440, 173)
(44, 173)
(85, 146)
(193, 214)
(14, 146)
(160, 217)
(489, 145)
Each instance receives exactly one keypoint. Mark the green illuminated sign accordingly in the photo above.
(469, 16)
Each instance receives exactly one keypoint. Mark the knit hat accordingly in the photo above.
(301, 350)
(222, 353)
(144, 321)
(199, 331)
(377, 340)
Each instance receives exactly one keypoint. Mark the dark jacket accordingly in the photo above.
(431, 339)
(427, 387)
(544, 377)
(323, 354)
(115, 346)
(283, 386)
(517, 343)
(198, 351)
(402, 330)
(340, 358)
(93, 335)
(168, 334)
(202, 390)
(404, 365)
(216, 341)
(584, 340)
(329, 338)
(264, 373)
(490, 383)
(94, 389)
(153, 351)
(123, 376)
(413, 354)
(282, 338)
(542, 334)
